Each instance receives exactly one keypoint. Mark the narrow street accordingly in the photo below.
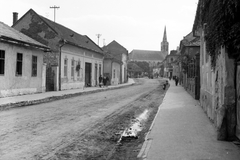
(81, 127)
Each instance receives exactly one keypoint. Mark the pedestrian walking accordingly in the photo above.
(100, 79)
(176, 80)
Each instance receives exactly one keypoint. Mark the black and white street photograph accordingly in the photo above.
(120, 80)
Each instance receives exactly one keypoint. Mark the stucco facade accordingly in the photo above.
(124, 68)
(80, 60)
(112, 70)
(71, 77)
(12, 84)
(120, 53)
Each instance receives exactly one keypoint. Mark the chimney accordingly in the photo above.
(15, 17)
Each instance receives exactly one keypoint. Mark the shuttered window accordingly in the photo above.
(34, 66)
(19, 64)
(2, 61)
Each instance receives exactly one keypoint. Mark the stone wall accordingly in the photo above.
(218, 95)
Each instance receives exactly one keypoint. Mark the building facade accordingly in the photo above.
(75, 61)
(219, 65)
(120, 53)
(153, 58)
(190, 75)
(22, 70)
(112, 69)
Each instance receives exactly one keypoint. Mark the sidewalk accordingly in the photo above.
(37, 98)
(182, 131)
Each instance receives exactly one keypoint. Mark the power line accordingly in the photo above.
(54, 8)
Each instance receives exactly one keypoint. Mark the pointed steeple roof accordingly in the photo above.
(165, 35)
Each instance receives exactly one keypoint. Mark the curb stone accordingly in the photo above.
(54, 98)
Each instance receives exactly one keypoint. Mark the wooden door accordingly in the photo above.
(88, 69)
(96, 72)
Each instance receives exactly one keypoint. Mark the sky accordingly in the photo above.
(135, 24)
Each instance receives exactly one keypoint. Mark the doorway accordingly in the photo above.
(96, 72)
(88, 72)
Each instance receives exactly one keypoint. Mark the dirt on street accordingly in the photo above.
(81, 127)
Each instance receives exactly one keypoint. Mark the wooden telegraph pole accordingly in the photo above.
(54, 7)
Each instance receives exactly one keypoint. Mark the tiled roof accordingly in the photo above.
(73, 37)
(146, 55)
(12, 35)
(115, 49)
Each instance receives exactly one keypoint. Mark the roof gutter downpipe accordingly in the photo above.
(62, 42)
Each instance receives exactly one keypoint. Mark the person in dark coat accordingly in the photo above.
(104, 81)
(176, 80)
(100, 79)
(107, 79)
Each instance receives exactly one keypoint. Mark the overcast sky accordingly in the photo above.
(135, 24)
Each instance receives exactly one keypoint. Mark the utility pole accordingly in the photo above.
(54, 7)
(98, 36)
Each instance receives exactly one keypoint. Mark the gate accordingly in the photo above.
(49, 79)
(238, 100)
(96, 72)
(88, 71)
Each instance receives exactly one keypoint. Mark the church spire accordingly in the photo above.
(165, 35)
(164, 43)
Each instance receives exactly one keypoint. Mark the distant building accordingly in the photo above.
(153, 58)
(134, 70)
(170, 67)
(21, 63)
(112, 68)
(120, 53)
(190, 75)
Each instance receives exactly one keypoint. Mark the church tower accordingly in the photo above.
(164, 44)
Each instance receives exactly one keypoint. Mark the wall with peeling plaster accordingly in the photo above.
(218, 92)
(33, 26)
(12, 85)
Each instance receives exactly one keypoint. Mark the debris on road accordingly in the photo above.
(136, 126)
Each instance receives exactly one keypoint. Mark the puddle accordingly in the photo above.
(135, 128)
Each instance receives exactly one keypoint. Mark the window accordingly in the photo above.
(78, 68)
(65, 67)
(72, 68)
(2, 61)
(114, 73)
(19, 64)
(34, 66)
